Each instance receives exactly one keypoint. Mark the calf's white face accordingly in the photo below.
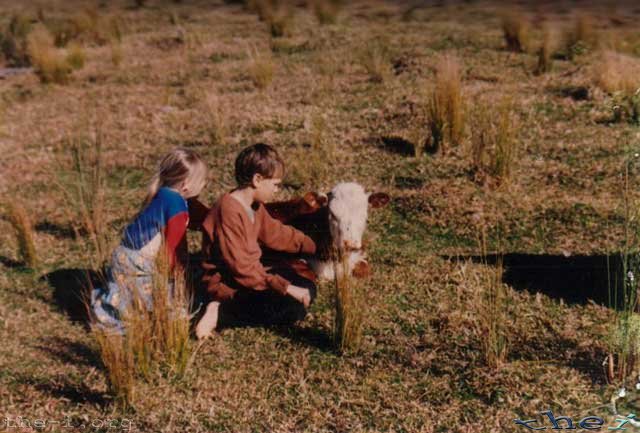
(348, 205)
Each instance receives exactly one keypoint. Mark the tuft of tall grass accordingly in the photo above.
(619, 75)
(376, 59)
(516, 31)
(505, 142)
(21, 223)
(325, 11)
(217, 128)
(313, 158)
(445, 104)
(547, 50)
(493, 140)
(261, 69)
(155, 341)
(617, 72)
(624, 335)
(281, 22)
(494, 321)
(491, 303)
(349, 309)
(116, 53)
(436, 120)
(84, 188)
(83, 26)
(263, 8)
(170, 318)
(49, 62)
(13, 40)
(76, 56)
(118, 361)
(581, 36)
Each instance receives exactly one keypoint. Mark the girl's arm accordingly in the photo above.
(175, 239)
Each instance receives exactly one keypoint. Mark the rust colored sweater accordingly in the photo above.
(231, 244)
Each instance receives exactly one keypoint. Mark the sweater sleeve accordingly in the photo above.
(175, 240)
(281, 237)
(245, 269)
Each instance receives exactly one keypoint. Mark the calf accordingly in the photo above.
(336, 225)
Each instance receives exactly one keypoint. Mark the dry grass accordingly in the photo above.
(264, 8)
(422, 363)
(325, 11)
(155, 342)
(445, 104)
(516, 31)
(117, 53)
(436, 121)
(582, 36)
(281, 21)
(376, 59)
(217, 125)
(312, 158)
(617, 73)
(493, 141)
(49, 62)
(84, 188)
(261, 68)
(76, 56)
(21, 223)
(349, 310)
(14, 40)
(118, 360)
(550, 44)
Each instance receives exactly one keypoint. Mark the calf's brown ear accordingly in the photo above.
(378, 199)
(310, 199)
(315, 200)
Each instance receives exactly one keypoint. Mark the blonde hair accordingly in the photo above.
(178, 166)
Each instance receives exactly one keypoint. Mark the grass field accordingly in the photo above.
(346, 100)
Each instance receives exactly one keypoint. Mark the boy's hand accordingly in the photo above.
(300, 294)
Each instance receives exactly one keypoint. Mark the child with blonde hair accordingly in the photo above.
(159, 228)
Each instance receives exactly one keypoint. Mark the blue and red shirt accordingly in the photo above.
(166, 217)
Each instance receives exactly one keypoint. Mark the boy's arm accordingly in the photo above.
(245, 269)
(281, 237)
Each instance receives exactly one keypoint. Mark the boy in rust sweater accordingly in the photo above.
(234, 230)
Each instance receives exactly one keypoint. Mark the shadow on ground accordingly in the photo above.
(575, 279)
(72, 289)
(60, 387)
(68, 351)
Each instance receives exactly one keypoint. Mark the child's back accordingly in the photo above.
(162, 221)
(166, 217)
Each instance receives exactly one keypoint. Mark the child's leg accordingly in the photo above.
(216, 294)
(285, 309)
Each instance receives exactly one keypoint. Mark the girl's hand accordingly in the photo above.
(300, 294)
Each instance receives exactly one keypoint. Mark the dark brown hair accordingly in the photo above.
(259, 158)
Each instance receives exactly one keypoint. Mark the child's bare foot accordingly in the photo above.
(208, 322)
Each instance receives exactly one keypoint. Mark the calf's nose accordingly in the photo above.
(351, 245)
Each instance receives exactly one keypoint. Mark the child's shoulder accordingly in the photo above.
(171, 199)
(230, 207)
